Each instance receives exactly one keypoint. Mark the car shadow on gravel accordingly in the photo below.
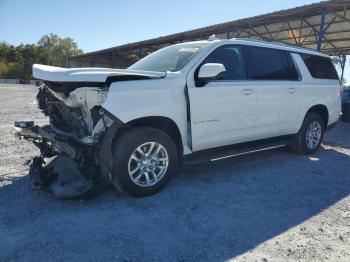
(213, 211)
(266, 194)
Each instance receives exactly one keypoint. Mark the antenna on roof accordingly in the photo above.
(212, 38)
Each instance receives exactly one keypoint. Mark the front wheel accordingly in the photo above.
(310, 136)
(144, 160)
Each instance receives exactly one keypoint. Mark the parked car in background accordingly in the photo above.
(346, 105)
(134, 126)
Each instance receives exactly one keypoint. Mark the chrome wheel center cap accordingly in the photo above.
(146, 162)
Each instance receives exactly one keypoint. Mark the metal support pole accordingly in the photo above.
(92, 61)
(140, 53)
(113, 60)
(321, 32)
(342, 64)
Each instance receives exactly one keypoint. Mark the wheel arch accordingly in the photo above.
(163, 123)
(112, 134)
(321, 110)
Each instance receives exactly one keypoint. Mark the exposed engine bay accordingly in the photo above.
(78, 114)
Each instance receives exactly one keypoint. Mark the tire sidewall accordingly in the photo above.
(302, 136)
(123, 149)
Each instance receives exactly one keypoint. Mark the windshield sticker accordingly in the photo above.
(189, 49)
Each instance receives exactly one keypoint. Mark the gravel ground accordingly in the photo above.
(271, 206)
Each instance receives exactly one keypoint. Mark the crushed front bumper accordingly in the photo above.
(59, 142)
(60, 176)
(60, 168)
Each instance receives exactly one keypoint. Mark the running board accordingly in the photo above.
(225, 152)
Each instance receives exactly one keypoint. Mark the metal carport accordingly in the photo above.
(324, 26)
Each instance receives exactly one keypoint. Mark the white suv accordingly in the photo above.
(134, 126)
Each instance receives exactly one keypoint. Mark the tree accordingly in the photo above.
(16, 62)
(56, 50)
(3, 69)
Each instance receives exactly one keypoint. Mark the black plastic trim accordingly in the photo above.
(224, 151)
(331, 126)
(188, 116)
(112, 79)
(104, 154)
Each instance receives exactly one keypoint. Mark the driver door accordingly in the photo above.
(223, 112)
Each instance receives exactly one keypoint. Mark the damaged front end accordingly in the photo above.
(76, 145)
(69, 164)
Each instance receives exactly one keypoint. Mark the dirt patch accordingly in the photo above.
(271, 206)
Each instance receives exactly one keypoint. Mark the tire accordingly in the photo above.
(301, 143)
(129, 173)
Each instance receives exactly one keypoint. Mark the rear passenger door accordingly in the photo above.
(277, 80)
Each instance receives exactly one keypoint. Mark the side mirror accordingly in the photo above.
(209, 72)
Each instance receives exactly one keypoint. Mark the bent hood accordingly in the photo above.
(90, 74)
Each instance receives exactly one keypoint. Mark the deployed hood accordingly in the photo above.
(90, 74)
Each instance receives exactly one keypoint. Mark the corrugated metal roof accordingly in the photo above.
(298, 26)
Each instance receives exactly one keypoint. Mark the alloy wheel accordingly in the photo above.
(147, 164)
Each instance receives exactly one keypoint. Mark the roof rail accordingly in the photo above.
(277, 43)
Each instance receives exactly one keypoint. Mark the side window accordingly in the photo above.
(232, 58)
(272, 64)
(319, 66)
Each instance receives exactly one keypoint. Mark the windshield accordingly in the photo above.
(171, 58)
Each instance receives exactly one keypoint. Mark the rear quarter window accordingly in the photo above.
(320, 67)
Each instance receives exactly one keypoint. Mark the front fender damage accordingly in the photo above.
(105, 154)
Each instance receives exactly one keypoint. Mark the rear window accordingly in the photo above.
(272, 64)
(320, 67)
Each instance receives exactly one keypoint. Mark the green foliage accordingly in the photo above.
(16, 62)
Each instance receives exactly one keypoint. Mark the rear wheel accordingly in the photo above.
(144, 160)
(310, 136)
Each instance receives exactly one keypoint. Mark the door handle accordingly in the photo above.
(292, 90)
(247, 92)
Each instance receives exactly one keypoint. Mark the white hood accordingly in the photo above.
(89, 74)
